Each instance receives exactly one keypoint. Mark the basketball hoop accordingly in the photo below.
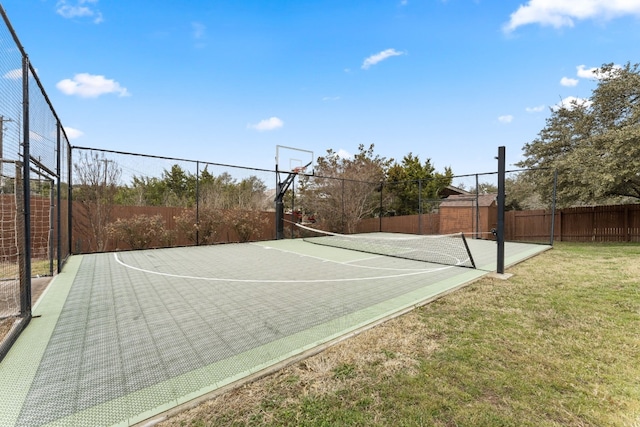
(298, 170)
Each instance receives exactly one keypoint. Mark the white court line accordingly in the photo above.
(349, 263)
(220, 279)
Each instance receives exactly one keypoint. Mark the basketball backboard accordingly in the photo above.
(291, 159)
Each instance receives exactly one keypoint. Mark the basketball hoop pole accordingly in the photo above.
(281, 189)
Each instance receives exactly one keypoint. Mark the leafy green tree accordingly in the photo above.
(147, 191)
(521, 193)
(180, 186)
(412, 182)
(593, 144)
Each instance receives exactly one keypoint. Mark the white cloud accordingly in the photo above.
(381, 56)
(199, 34)
(505, 119)
(16, 74)
(570, 102)
(331, 98)
(199, 30)
(566, 81)
(564, 13)
(73, 133)
(537, 109)
(271, 123)
(79, 9)
(585, 73)
(87, 85)
(592, 73)
(343, 154)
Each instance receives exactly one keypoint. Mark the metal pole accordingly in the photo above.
(279, 208)
(419, 206)
(57, 201)
(294, 217)
(51, 242)
(553, 207)
(343, 218)
(477, 227)
(381, 206)
(501, 200)
(25, 306)
(197, 203)
(70, 199)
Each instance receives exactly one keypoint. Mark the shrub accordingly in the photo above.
(140, 231)
(205, 230)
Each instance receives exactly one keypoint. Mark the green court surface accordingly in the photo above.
(119, 338)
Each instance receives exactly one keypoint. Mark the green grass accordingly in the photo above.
(555, 345)
(38, 268)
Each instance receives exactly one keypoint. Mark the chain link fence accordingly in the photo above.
(124, 201)
(34, 182)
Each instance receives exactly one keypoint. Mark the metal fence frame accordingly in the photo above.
(41, 145)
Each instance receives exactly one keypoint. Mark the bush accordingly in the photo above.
(203, 232)
(140, 231)
(246, 223)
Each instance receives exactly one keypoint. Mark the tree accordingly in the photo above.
(412, 182)
(97, 185)
(593, 144)
(344, 190)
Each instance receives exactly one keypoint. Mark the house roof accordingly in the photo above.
(450, 190)
(468, 200)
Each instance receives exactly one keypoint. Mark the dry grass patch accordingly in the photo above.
(5, 327)
(362, 362)
(555, 345)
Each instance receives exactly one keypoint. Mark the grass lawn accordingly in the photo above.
(558, 344)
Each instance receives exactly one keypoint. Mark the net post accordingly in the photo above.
(466, 246)
(501, 203)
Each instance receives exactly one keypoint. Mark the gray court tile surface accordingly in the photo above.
(123, 336)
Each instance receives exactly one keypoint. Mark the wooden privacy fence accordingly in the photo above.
(615, 223)
(85, 238)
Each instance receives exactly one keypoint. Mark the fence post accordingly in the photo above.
(627, 232)
(70, 200)
(553, 206)
(58, 200)
(420, 206)
(26, 171)
(501, 200)
(197, 203)
(343, 213)
(477, 218)
(381, 205)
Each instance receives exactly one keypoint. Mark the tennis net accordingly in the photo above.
(450, 249)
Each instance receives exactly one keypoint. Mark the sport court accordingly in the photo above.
(119, 338)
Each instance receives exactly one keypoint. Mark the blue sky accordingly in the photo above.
(226, 81)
